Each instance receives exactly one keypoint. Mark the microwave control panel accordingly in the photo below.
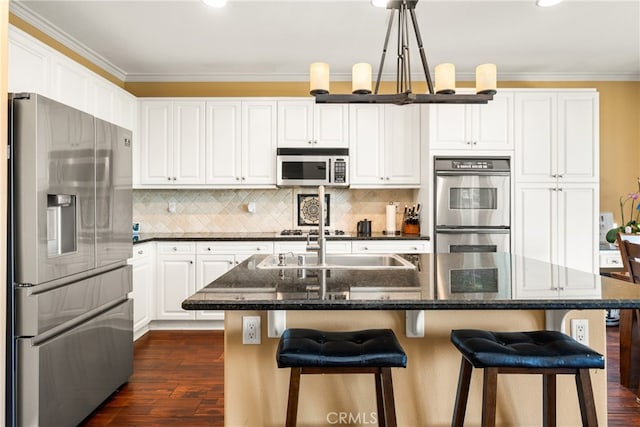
(339, 171)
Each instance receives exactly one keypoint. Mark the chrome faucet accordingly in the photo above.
(321, 244)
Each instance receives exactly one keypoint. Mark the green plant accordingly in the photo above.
(632, 225)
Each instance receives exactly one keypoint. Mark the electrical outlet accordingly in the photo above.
(580, 330)
(251, 330)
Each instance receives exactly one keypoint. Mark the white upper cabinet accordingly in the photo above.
(478, 127)
(29, 64)
(259, 142)
(557, 136)
(223, 142)
(172, 142)
(303, 123)
(385, 145)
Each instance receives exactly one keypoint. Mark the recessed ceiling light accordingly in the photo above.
(215, 3)
(379, 3)
(547, 3)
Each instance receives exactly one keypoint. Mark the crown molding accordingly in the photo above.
(57, 34)
(290, 77)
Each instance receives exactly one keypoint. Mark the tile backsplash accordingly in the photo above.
(225, 211)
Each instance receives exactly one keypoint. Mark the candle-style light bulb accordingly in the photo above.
(319, 78)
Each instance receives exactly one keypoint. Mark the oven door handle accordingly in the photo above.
(473, 231)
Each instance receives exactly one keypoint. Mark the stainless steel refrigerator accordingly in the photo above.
(70, 237)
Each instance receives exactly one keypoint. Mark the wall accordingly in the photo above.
(226, 210)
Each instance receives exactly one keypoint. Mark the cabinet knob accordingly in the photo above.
(560, 176)
(175, 248)
(554, 175)
(382, 178)
(310, 142)
(209, 249)
(190, 262)
(237, 262)
(414, 248)
(365, 248)
(387, 178)
(468, 142)
(168, 178)
(230, 262)
(243, 178)
(614, 261)
(174, 178)
(237, 178)
(475, 142)
(258, 249)
(559, 189)
(140, 252)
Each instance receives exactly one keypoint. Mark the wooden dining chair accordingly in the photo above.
(629, 246)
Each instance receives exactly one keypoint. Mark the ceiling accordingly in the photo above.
(264, 40)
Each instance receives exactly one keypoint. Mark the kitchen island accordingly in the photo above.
(486, 291)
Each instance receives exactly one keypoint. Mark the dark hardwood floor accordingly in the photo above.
(178, 380)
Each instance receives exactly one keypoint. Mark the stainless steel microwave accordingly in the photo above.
(313, 166)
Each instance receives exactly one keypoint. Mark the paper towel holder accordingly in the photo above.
(391, 220)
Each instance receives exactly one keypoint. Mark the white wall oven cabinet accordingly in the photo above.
(558, 225)
(473, 127)
(172, 142)
(303, 123)
(384, 145)
(143, 294)
(240, 142)
(557, 136)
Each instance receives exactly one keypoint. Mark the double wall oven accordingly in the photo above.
(472, 215)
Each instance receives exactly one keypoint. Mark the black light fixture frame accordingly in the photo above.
(404, 94)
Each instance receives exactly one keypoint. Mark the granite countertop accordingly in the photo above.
(498, 281)
(266, 236)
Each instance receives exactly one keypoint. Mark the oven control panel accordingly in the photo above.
(472, 164)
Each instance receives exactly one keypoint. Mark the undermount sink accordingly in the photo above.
(338, 262)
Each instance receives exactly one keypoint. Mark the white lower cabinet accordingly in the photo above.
(391, 246)
(213, 259)
(176, 279)
(143, 266)
(333, 247)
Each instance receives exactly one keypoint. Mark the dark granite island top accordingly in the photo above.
(265, 236)
(498, 281)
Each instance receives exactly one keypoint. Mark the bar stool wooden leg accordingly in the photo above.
(585, 397)
(380, 400)
(549, 400)
(292, 404)
(389, 402)
(462, 394)
(489, 394)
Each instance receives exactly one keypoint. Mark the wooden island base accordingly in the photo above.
(256, 390)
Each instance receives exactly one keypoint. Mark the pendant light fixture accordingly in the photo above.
(443, 93)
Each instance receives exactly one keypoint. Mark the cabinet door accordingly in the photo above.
(578, 134)
(70, 83)
(535, 222)
(223, 142)
(330, 125)
(449, 127)
(493, 123)
(536, 137)
(176, 282)
(156, 128)
(29, 68)
(143, 273)
(578, 226)
(259, 142)
(188, 143)
(295, 123)
(366, 133)
(402, 144)
(209, 268)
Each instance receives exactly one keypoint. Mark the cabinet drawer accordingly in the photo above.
(610, 259)
(143, 250)
(166, 248)
(333, 247)
(390, 246)
(235, 247)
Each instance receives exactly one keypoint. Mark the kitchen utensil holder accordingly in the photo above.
(408, 228)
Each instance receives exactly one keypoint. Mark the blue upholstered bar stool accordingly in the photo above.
(371, 351)
(539, 352)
